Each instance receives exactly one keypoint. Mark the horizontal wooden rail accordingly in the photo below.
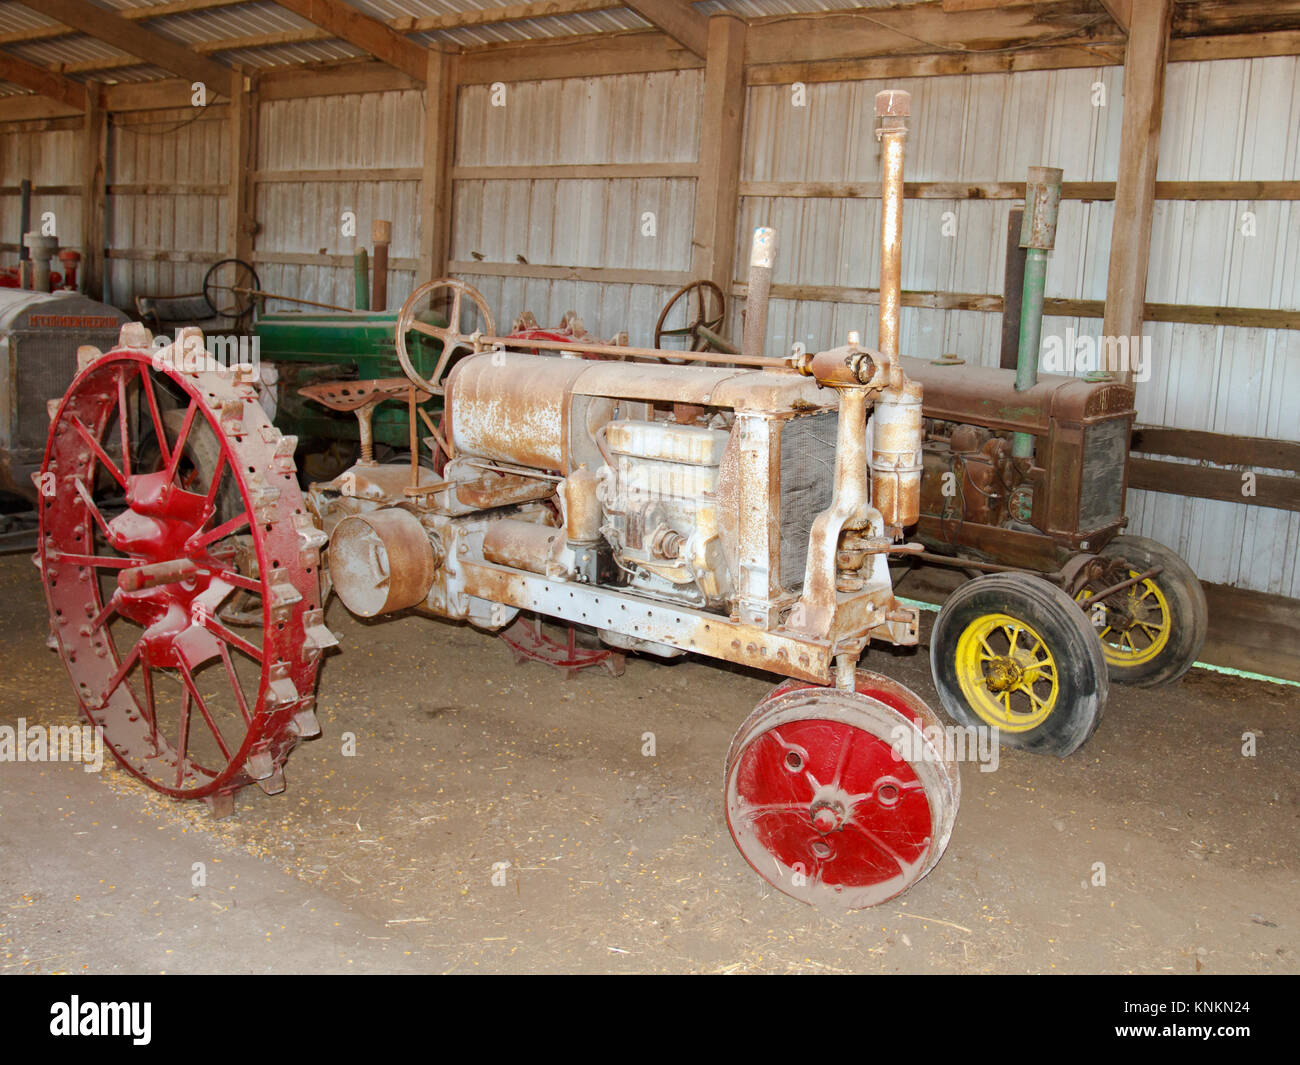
(1015, 190)
(1209, 482)
(596, 274)
(561, 172)
(1255, 452)
(392, 173)
(1188, 314)
(290, 258)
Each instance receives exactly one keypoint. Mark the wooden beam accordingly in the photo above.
(1120, 11)
(291, 83)
(722, 130)
(1208, 482)
(574, 57)
(1053, 306)
(135, 40)
(1223, 449)
(579, 171)
(1130, 234)
(42, 81)
(925, 28)
(679, 20)
(402, 23)
(495, 15)
(368, 34)
(94, 182)
(241, 217)
(440, 91)
(1204, 17)
(1086, 191)
(596, 275)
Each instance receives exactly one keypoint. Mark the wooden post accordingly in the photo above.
(1130, 236)
(241, 219)
(439, 148)
(94, 188)
(722, 121)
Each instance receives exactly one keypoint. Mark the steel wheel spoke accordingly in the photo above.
(181, 437)
(219, 533)
(98, 452)
(183, 739)
(123, 422)
(222, 633)
(122, 671)
(151, 398)
(234, 682)
(188, 677)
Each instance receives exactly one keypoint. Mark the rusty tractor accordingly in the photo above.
(1023, 488)
(671, 502)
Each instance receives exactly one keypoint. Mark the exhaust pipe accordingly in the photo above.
(896, 428)
(893, 106)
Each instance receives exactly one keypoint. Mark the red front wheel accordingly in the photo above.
(838, 798)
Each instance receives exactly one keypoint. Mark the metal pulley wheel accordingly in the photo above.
(187, 705)
(839, 798)
(449, 336)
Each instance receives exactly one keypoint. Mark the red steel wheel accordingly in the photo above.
(190, 707)
(840, 798)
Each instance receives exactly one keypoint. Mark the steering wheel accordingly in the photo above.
(226, 288)
(450, 335)
(710, 311)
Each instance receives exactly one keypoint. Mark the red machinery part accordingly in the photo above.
(839, 798)
(187, 704)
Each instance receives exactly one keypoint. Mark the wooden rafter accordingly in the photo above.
(369, 34)
(160, 51)
(679, 20)
(1121, 11)
(42, 81)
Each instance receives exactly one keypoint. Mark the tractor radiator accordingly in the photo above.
(1101, 493)
(807, 485)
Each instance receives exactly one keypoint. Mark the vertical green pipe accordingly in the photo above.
(1031, 338)
(1037, 235)
(361, 279)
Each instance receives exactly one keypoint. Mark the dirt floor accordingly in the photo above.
(618, 862)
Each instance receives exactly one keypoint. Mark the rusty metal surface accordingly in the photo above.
(381, 561)
(351, 395)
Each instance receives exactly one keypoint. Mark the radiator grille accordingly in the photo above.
(807, 485)
(46, 363)
(1101, 495)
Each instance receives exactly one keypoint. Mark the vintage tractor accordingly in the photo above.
(670, 502)
(1023, 486)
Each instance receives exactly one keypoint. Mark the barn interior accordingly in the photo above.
(1053, 240)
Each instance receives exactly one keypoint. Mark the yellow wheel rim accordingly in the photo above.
(1006, 673)
(1139, 630)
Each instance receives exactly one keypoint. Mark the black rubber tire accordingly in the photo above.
(1190, 615)
(1082, 679)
